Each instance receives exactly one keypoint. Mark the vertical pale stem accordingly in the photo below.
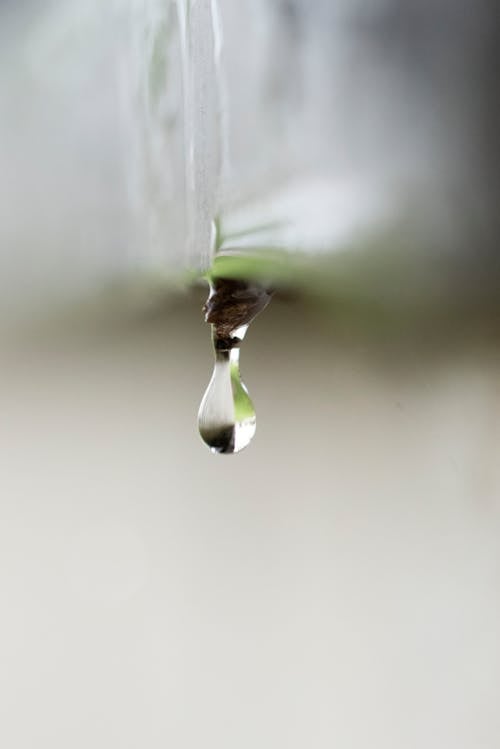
(201, 40)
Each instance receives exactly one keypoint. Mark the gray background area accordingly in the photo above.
(337, 583)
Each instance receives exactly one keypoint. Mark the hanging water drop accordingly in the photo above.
(226, 418)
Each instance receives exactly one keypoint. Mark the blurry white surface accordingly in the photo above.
(310, 215)
(333, 586)
(127, 126)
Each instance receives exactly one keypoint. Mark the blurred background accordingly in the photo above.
(337, 583)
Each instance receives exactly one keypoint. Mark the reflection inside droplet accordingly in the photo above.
(226, 418)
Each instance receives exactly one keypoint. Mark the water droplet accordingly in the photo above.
(226, 418)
